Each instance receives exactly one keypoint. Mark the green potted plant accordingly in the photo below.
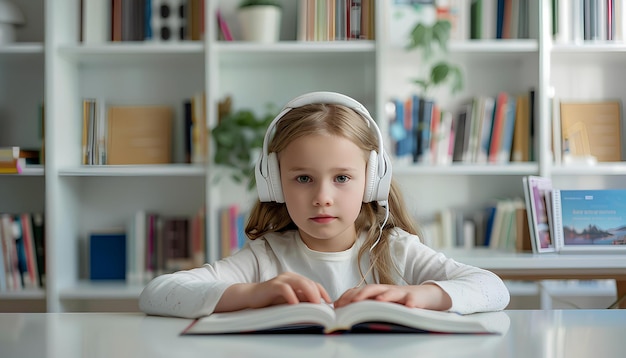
(432, 40)
(260, 20)
(238, 138)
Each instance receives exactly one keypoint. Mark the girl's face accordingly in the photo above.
(323, 180)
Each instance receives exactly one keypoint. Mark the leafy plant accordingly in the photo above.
(238, 137)
(433, 42)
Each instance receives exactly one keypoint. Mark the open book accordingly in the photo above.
(363, 316)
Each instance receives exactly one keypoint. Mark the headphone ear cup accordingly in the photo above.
(262, 181)
(275, 186)
(371, 178)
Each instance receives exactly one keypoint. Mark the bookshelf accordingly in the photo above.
(78, 199)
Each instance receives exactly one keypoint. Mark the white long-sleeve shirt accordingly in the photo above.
(195, 292)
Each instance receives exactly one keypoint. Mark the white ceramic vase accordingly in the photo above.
(260, 23)
(10, 16)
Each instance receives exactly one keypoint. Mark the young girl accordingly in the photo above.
(330, 226)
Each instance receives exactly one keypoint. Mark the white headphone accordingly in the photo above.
(378, 178)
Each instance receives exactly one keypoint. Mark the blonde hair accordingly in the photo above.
(341, 121)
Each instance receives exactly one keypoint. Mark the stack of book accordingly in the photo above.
(14, 159)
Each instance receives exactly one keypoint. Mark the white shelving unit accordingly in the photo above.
(78, 199)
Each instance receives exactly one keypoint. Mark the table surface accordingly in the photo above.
(531, 333)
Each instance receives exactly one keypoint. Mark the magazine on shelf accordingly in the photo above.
(537, 190)
(361, 317)
(590, 220)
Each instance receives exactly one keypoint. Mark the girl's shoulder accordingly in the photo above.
(400, 234)
(274, 239)
(400, 237)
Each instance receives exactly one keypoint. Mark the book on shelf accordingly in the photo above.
(360, 317)
(139, 135)
(21, 251)
(225, 33)
(589, 220)
(95, 27)
(537, 194)
(522, 242)
(520, 151)
(107, 255)
(158, 244)
(591, 130)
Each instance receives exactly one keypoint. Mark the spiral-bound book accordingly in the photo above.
(590, 220)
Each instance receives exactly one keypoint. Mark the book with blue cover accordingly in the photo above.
(590, 220)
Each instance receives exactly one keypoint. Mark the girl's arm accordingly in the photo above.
(430, 280)
(194, 293)
(470, 288)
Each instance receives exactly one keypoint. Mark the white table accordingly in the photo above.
(528, 266)
(542, 333)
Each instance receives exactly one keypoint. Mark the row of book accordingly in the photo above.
(500, 224)
(575, 21)
(141, 20)
(496, 19)
(141, 134)
(22, 251)
(153, 244)
(469, 20)
(150, 245)
(330, 20)
(574, 220)
(487, 129)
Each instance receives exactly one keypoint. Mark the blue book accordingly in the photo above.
(589, 220)
(399, 133)
(107, 256)
(504, 155)
(415, 108)
(486, 116)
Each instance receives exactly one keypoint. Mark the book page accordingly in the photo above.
(417, 318)
(268, 318)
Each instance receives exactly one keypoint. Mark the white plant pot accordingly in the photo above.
(260, 23)
(7, 33)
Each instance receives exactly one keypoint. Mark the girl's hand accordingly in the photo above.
(429, 296)
(287, 287)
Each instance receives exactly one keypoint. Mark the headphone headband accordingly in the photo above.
(267, 166)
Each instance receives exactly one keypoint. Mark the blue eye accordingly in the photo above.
(303, 179)
(342, 178)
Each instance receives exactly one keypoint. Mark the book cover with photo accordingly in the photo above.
(537, 190)
(590, 220)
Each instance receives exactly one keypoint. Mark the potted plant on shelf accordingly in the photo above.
(432, 40)
(238, 139)
(260, 20)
